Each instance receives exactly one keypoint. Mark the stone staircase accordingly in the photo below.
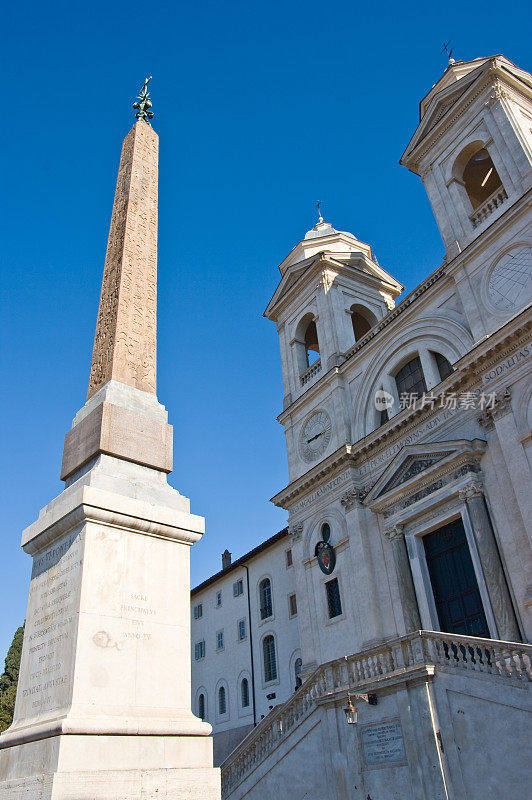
(419, 654)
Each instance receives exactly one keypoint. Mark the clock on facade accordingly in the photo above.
(510, 283)
(315, 436)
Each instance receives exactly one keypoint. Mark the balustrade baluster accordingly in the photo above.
(387, 657)
(527, 666)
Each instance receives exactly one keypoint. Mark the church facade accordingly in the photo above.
(408, 428)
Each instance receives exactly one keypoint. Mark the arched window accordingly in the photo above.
(480, 177)
(270, 660)
(307, 343)
(312, 347)
(444, 367)
(265, 595)
(410, 382)
(222, 702)
(244, 693)
(298, 666)
(201, 706)
(362, 320)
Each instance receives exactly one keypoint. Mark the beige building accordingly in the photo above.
(408, 432)
(245, 641)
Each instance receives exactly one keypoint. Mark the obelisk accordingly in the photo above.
(103, 706)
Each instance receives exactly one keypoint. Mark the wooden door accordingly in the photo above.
(454, 582)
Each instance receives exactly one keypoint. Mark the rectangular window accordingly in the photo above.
(293, 605)
(242, 629)
(199, 650)
(270, 660)
(198, 611)
(220, 640)
(265, 594)
(238, 588)
(334, 604)
(289, 561)
(218, 598)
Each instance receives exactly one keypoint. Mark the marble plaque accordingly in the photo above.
(383, 744)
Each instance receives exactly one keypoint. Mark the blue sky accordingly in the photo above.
(262, 109)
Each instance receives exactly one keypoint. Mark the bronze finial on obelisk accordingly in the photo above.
(143, 104)
(125, 344)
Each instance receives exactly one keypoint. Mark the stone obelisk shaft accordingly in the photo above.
(124, 358)
(125, 345)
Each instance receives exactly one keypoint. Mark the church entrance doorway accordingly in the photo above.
(454, 582)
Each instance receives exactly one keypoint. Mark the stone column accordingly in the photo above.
(490, 559)
(407, 593)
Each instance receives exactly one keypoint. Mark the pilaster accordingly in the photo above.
(507, 626)
(407, 592)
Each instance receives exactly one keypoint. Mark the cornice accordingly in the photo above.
(497, 345)
(330, 467)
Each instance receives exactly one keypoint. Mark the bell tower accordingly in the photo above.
(331, 294)
(473, 146)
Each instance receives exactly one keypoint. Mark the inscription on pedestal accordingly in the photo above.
(383, 744)
(49, 637)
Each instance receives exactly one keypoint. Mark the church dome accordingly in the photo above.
(320, 229)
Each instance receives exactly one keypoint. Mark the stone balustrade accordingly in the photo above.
(488, 206)
(364, 672)
(310, 372)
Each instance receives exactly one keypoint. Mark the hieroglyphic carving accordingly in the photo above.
(125, 345)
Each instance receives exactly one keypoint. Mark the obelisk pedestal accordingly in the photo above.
(103, 706)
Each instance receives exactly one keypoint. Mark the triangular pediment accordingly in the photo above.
(412, 466)
(416, 461)
(456, 81)
(437, 108)
(353, 263)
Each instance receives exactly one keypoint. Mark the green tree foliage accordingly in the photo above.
(9, 680)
